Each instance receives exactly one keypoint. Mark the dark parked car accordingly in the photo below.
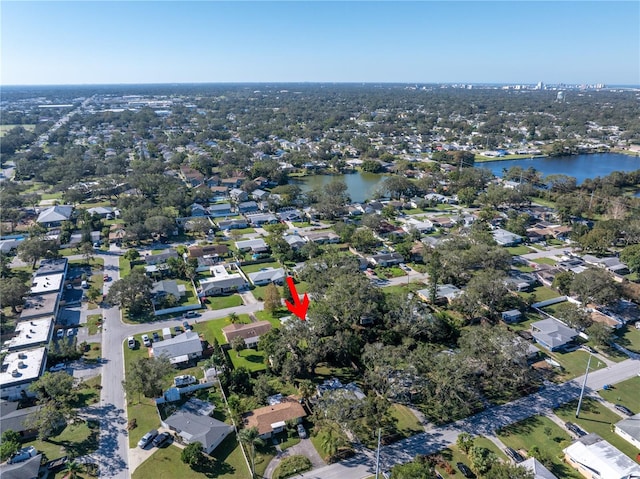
(466, 472)
(156, 336)
(147, 438)
(513, 454)
(574, 428)
(160, 439)
(623, 409)
(186, 326)
(177, 330)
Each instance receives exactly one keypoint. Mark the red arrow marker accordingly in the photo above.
(299, 308)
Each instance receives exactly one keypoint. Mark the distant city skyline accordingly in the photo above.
(571, 42)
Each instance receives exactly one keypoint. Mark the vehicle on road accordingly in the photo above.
(58, 367)
(513, 454)
(147, 438)
(131, 342)
(190, 314)
(464, 469)
(145, 340)
(160, 439)
(574, 428)
(302, 432)
(23, 454)
(623, 409)
(106, 277)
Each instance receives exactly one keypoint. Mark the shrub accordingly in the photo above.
(290, 466)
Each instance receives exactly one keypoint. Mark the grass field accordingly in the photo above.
(213, 329)
(165, 463)
(74, 440)
(625, 393)
(518, 250)
(93, 323)
(88, 393)
(252, 268)
(4, 129)
(407, 423)
(575, 363)
(629, 337)
(594, 417)
(542, 293)
(250, 359)
(544, 433)
(549, 261)
(223, 302)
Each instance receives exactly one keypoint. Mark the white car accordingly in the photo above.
(145, 340)
(60, 333)
(131, 342)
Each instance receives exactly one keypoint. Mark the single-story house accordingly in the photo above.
(19, 370)
(249, 332)
(29, 469)
(444, 293)
(232, 182)
(519, 281)
(385, 259)
(537, 468)
(198, 428)
(511, 316)
(291, 215)
(295, 241)
(596, 458)
(443, 221)
(273, 419)
(234, 224)
(221, 282)
(163, 288)
(247, 207)
(259, 219)
(179, 349)
(55, 215)
(104, 212)
(552, 334)
(412, 224)
(218, 210)
(629, 430)
(152, 259)
(266, 276)
(197, 210)
(259, 195)
(256, 245)
(322, 237)
(196, 251)
(506, 238)
(14, 419)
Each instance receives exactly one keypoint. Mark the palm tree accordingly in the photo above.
(234, 318)
(306, 389)
(72, 470)
(250, 438)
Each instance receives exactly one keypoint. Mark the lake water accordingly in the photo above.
(578, 166)
(361, 186)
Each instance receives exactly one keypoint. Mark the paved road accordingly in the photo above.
(483, 423)
(113, 449)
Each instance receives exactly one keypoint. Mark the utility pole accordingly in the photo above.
(584, 383)
(378, 456)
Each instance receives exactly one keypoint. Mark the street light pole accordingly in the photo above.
(584, 383)
(378, 456)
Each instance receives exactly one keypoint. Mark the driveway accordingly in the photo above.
(303, 448)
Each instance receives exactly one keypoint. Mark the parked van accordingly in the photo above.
(166, 333)
(85, 285)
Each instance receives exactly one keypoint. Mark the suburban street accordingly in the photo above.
(113, 452)
(485, 422)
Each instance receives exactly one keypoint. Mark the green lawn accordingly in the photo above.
(345, 375)
(403, 288)
(594, 417)
(248, 358)
(89, 392)
(453, 455)
(518, 250)
(223, 302)
(252, 268)
(542, 293)
(94, 352)
(629, 337)
(74, 440)
(625, 393)
(146, 417)
(125, 267)
(550, 261)
(93, 323)
(407, 423)
(273, 318)
(213, 329)
(544, 433)
(165, 463)
(575, 363)
(524, 269)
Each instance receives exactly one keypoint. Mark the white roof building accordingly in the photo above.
(55, 214)
(539, 471)
(221, 282)
(594, 457)
(19, 370)
(629, 429)
(51, 283)
(29, 334)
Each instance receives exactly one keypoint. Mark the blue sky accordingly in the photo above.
(351, 41)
